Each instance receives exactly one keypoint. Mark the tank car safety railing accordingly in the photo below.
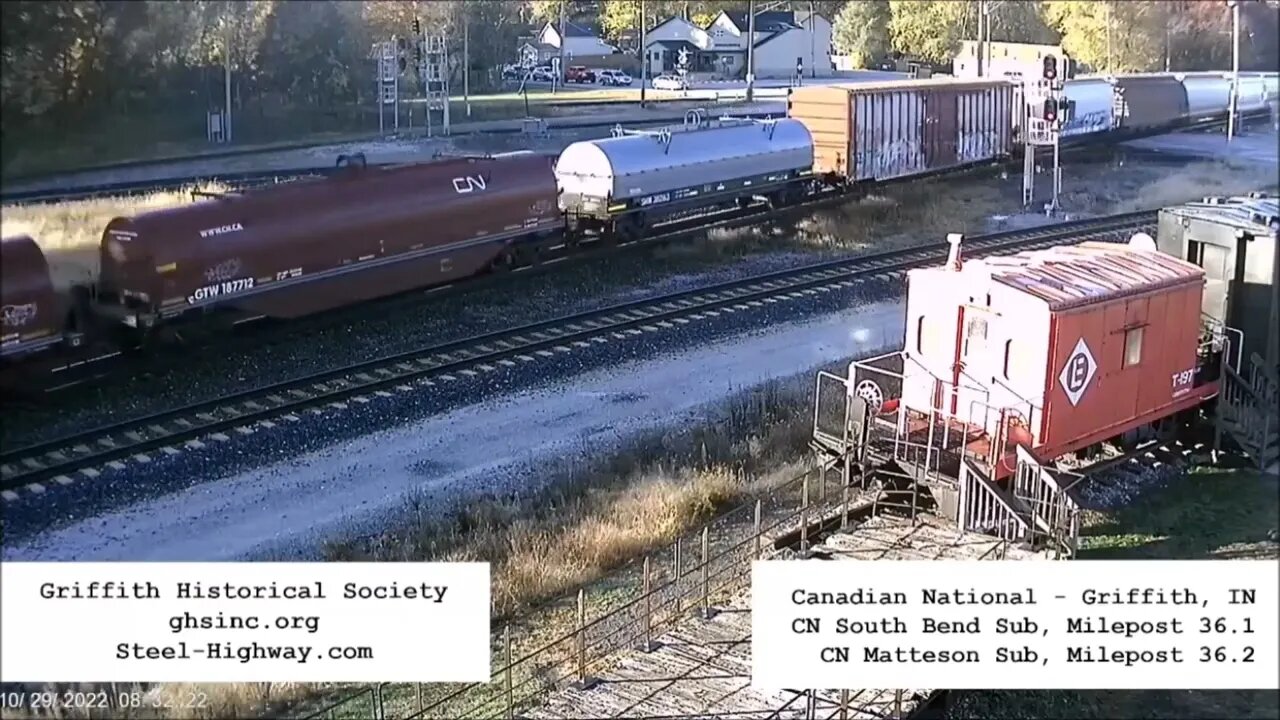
(1029, 409)
(694, 577)
(985, 510)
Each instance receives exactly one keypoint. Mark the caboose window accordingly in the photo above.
(1132, 347)
(920, 336)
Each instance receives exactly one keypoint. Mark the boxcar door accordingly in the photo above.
(940, 129)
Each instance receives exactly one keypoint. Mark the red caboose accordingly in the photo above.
(1052, 351)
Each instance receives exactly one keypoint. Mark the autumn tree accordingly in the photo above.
(861, 30)
(1108, 36)
(931, 29)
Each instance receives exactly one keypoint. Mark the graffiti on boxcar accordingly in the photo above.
(15, 316)
(225, 270)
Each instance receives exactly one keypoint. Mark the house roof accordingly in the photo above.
(677, 45)
(773, 21)
(572, 29)
(1091, 272)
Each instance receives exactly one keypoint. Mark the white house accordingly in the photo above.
(665, 40)
(579, 42)
(784, 41)
(1008, 59)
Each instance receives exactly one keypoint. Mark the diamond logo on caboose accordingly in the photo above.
(1078, 372)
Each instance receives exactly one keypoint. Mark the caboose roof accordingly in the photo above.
(1257, 215)
(1073, 275)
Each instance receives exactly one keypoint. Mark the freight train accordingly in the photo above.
(1014, 365)
(297, 248)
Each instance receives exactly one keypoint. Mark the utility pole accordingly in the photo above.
(559, 76)
(751, 44)
(466, 63)
(1235, 67)
(813, 30)
(226, 58)
(982, 36)
(644, 56)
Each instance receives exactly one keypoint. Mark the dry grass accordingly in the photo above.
(1196, 181)
(70, 232)
(593, 516)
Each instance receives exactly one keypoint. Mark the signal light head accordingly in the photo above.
(1050, 67)
(1051, 110)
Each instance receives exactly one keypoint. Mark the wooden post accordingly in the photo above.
(584, 682)
(844, 704)
(897, 704)
(506, 643)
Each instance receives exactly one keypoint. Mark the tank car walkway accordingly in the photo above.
(702, 668)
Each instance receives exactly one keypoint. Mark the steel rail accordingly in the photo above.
(58, 459)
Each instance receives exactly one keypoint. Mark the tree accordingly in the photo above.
(1108, 36)
(861, 30)
(931, 29)
(1022, 22)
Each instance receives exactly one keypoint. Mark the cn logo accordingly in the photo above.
(470, 183)
(1078, 372)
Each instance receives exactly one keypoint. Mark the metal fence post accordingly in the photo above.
(421, 703)
(811, 705)
(706, 575)
(804, 514)
(897, 704)
(675, 582)
(648, 606)
(844, 704)
(844, 507)
(584, 682)
(506, 643)
(757, 530)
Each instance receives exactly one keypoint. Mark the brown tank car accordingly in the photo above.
(34, 312)
(305, 247)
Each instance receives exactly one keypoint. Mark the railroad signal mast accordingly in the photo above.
(432, 63)
(1044, 117)
(387, 65)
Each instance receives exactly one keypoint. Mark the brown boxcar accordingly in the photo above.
(1077, 344)
(1149, 102)
(879, 131)
(304, 247)
(33, 311)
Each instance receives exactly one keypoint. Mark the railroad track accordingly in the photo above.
(135, 441)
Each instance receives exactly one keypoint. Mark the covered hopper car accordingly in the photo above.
(35, 314)
(304, 247)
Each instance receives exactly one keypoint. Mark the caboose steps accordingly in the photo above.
(1247, 411)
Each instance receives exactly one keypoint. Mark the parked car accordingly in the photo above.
(512, 73)
(543, 73)
(613, 77)
(579, 74)
(670, 82)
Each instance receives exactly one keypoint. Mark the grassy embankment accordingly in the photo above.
(1203, 515)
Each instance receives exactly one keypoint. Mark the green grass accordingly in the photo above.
(1219, 514)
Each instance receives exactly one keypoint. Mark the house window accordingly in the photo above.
(1132, 347)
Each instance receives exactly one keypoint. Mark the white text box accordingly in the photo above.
(1107, 625)
(244, 622)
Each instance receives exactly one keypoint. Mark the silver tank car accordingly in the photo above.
(642, 172)
(1208, 94)
(1094, 101)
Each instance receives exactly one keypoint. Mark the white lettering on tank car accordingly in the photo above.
(221, 230)
(469, 183)
(15, 316)
(228, 287)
